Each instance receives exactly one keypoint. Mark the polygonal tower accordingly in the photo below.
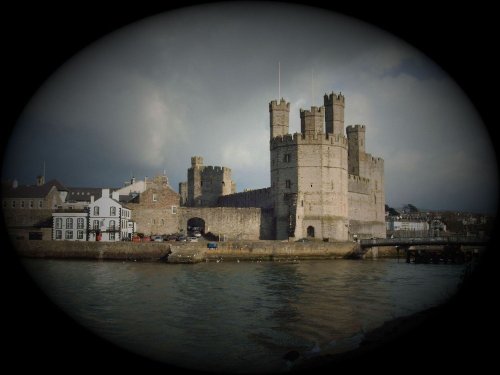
(334, 113)
(279, 112)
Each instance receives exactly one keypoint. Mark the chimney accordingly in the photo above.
(105, 193)
(115, 195)
(91, 199)
(40, 180)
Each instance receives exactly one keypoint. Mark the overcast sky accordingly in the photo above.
(197, 81)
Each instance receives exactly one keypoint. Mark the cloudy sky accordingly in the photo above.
(197, 81)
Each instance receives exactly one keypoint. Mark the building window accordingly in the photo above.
(288, 184)
(80, 223)
(31, 204)
(287, 158)
(40, 204)
(174, 210)
(112, 211)
(112, 236)
(22, 204)
(155, 198)
(69, 223)
(96, 224)
(13, 204)
(162, 222)
(96, 211)
(58, 234)
(79, 235)
(58, 223)
(68, 235)
(112, 225)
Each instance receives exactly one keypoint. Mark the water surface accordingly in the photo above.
(240, 317)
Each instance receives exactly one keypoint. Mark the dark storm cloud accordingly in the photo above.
(198, 81)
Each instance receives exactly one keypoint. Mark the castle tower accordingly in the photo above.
(334, 113)
(194, 181)
(312, 122)
(356, 150)
(279, 113)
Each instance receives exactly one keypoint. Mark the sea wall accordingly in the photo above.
(152, 251)
(189, 252)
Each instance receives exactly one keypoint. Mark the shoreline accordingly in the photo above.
(195, 252)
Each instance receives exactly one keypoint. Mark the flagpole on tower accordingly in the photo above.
(279, 80)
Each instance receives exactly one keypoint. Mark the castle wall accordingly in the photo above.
(253, 198)
(230, 223)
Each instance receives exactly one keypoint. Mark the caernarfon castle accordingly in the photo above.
(324, 184)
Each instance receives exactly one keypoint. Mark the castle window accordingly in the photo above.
(79, 235)
(58, 234)
(288, 184)
(310, 231)
(96, 211)
(40, 204)
(112, 225)
(69, 223)
(22, 204)
(58, 223)
(155, 198)
(287, 158)
(68, 235)
(162, 222)
(112, 236)
(174, 210)
(96, 224)
(302, 203)
(112, 211)
(13, 204)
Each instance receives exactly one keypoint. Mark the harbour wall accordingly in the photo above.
(193, 252)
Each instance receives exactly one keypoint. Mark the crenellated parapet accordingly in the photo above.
(309, 138)
(279, 105)
(334, 98)
(355, 128)
(357, 184)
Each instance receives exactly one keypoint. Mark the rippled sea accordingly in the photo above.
(240, 317)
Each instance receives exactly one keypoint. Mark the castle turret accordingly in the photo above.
(312, 122)
(334, 113)
(194, 181)
(279, 113)
(356, 150)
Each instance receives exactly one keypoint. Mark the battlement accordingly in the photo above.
(314, 111)
(357, 184)
(304, 138)
(353, 177)
(334, 98)
(215, 169)
(196, 161)
(355, 128)
(281, 105)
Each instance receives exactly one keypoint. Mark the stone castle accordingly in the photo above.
(323, 183)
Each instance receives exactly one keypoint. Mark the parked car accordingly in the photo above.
(157, 238)
(196, 234)
(181, 238)
(192, 239)
(212, 245)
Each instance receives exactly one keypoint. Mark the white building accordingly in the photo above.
(108, 219)
(70, 225)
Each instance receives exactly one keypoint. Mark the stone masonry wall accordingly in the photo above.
(229, 222)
